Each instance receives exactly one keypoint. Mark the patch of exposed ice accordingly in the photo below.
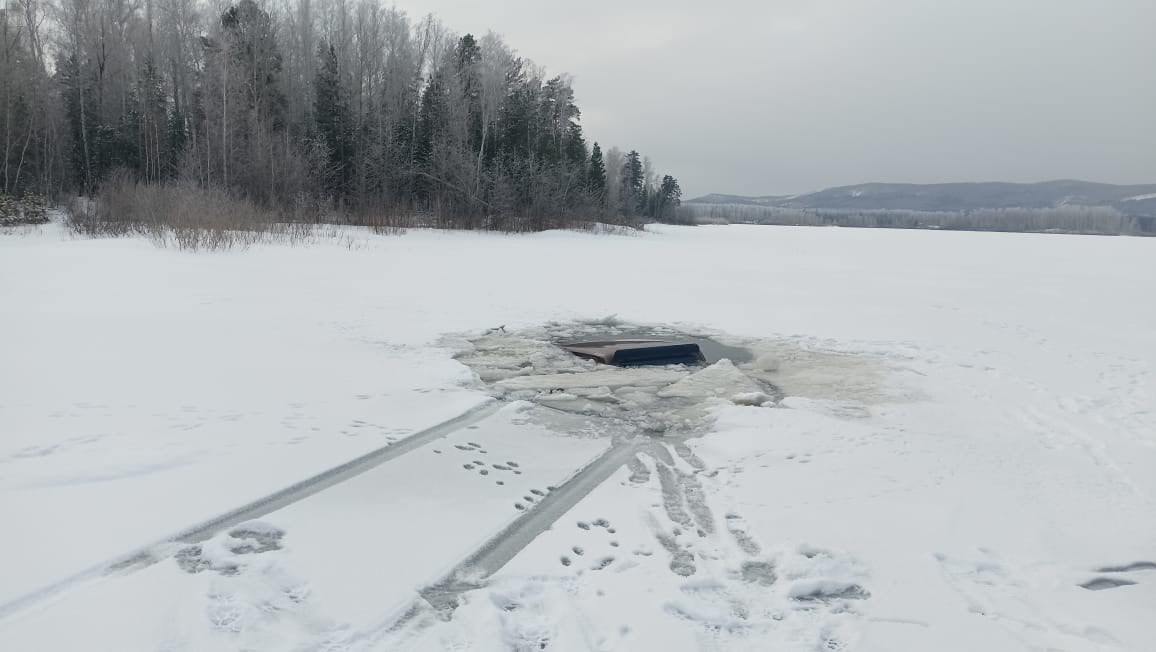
(798, 370)
(606, 377)
(528, 365)
(496, 357)
(720, 380)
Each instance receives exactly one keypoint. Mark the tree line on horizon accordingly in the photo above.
(310, 108)
(1092, 220)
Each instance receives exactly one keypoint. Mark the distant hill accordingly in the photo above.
(1136, 200)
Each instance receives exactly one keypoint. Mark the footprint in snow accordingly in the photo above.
(602, 563)
(1102, 583)
(1128, 568)
(1112, 580)
(758, 572)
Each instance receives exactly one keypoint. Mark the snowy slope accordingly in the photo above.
(967, 438)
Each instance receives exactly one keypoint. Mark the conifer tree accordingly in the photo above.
(632, 184)
(596, 174)
(669, 198)
(331, 112)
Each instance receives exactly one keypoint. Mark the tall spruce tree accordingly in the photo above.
(632, 184)
(331, 112)
(430, 124)
(669, 198)
(596, 175)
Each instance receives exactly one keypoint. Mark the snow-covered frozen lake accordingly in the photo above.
(961, 455)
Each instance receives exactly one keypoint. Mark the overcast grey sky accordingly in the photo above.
(786, 96)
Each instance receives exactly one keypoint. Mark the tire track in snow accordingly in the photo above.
(163, 549)
(491, 556)
(504, 546)
(338, 474)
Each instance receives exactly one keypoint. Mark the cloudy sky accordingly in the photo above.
(786, 96)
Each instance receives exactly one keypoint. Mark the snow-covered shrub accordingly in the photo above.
(183, 215)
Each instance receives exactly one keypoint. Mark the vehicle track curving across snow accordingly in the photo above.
(442, 596)
(165, 548)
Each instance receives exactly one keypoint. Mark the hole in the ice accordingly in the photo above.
(656, 399)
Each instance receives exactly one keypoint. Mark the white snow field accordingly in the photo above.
(940, 441)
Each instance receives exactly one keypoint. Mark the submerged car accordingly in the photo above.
(633, 352)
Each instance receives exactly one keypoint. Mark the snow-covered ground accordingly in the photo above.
(962, 456)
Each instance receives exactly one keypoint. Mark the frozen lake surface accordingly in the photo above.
(904, 440)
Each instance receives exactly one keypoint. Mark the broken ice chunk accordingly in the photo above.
(722, 379)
